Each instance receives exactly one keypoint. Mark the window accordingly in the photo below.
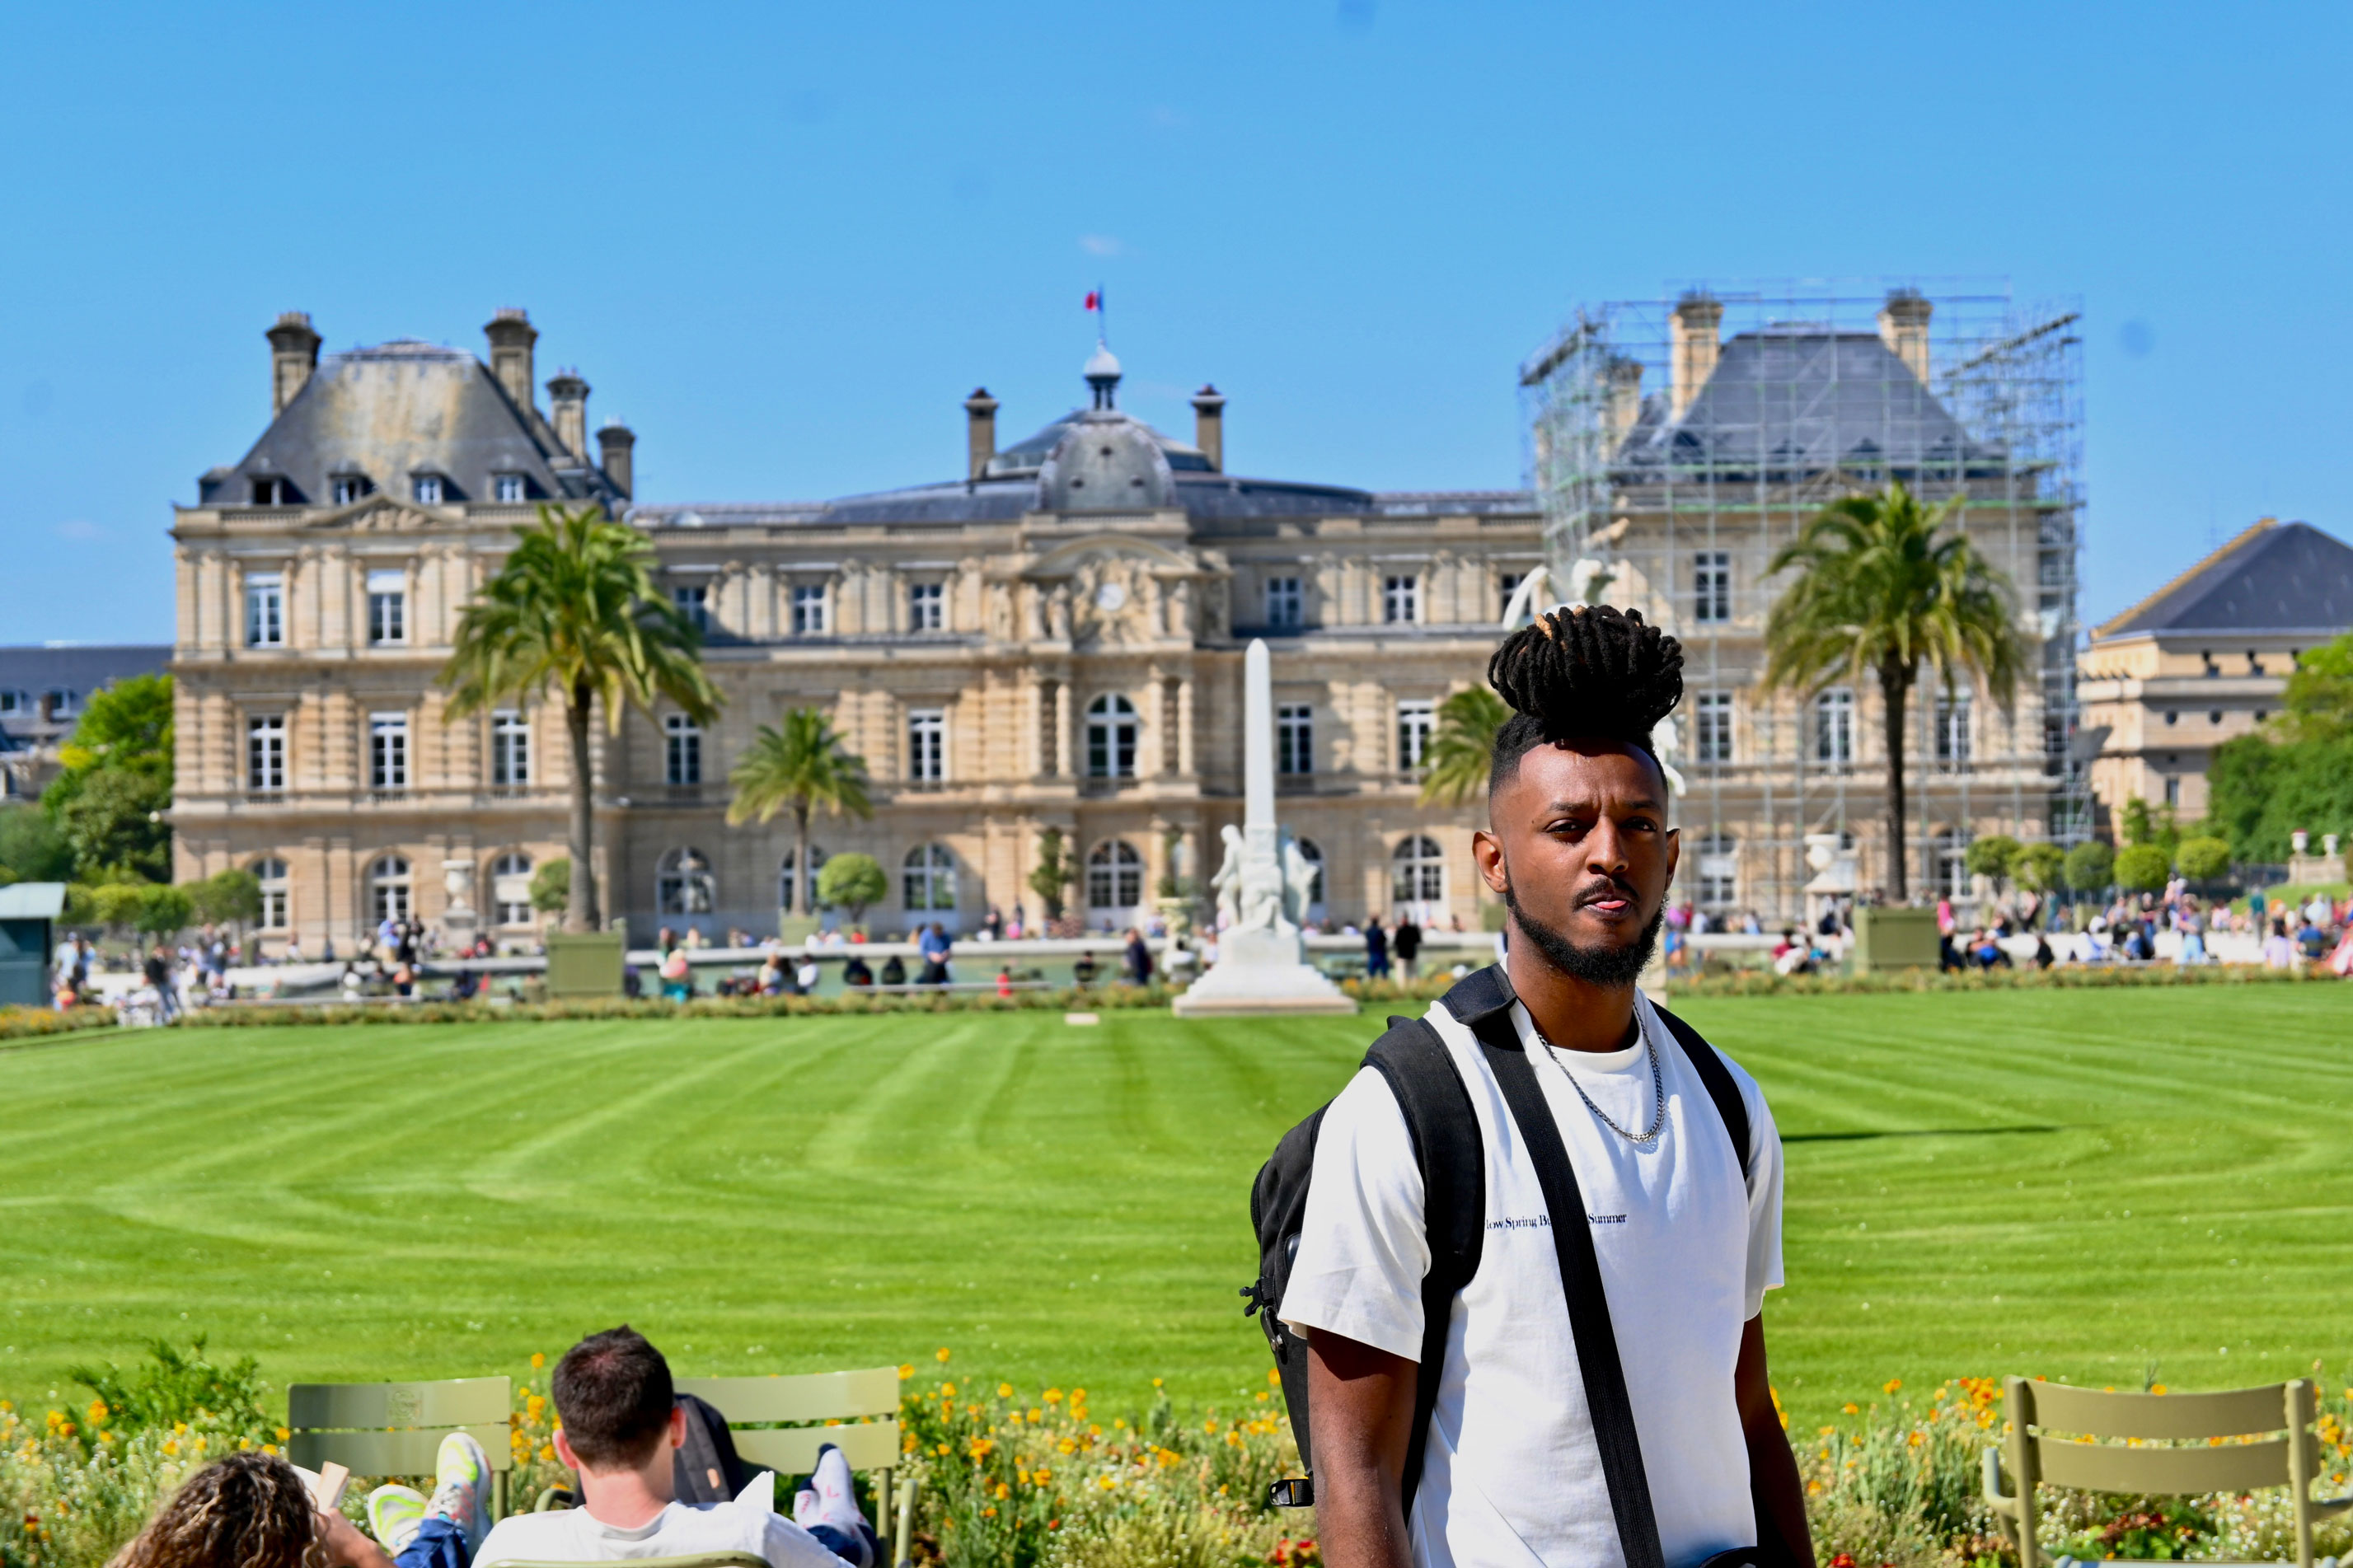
(1712, 725)
(926, 607)
(1719, 870)
(13, 701)
(1114, 876)
(272, 492)
(1712, 587)
(1294, 739)
(1313, 853)
(265, 609)
(1111, 738)
(1948, 870)
(2173, 718)
(62, 701)
(425, 488)
(1507, 588)
(349, 487)
(271, 874)
(928, 878)
(508, 487)
(2173, 792)
(694, 604)
(1414, 721)
(2215, 717)
(388, 750)
(511, 889)
(509, 749)
(1401, 598)
(927, 745)
(685, 738)
(683, 884)
(809, 609)
(1285, 604)
(1834, 726)
(1952, 722)
(389, 888)
(806, 904)
(1418, 871)
(387, 606)
(265, 755)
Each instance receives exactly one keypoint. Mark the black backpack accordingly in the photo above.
(706, 1468)
(1447, 1145)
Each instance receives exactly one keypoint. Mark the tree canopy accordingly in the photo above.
(109, 803)
(1462, 747)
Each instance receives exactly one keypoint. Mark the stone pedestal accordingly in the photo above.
(1262, 972)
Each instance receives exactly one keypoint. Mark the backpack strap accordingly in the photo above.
(1446, 1143)
(1718, 1079)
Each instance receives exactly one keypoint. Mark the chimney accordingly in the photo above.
(293, 355)
(1625, 405)
(1210, 426)
(979, 432)
(1694, 328)
(567, 410)
(1904, 328)
(615, 442)
(511, 335)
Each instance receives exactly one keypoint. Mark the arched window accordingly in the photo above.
(1110, 737)
(1313, 853)
(1114, 876)
(807, 903)
(388, 891)
(276, 890)
(1419, 871)
(511, 889)
(928, 878)
(683, 884)
(1719, 869)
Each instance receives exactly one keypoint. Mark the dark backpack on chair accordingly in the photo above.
(1448, 1147)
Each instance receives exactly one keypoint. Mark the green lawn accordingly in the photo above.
(2078, 1182)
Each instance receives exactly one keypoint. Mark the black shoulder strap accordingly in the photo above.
(1606, 1398)
(1447, 1145)
(1720, 1087)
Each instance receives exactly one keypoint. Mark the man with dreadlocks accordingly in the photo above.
(1511, 1465)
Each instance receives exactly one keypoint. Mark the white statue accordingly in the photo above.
(1299, 875)
(1666, 744)
(1227, 885)
(1586, 579)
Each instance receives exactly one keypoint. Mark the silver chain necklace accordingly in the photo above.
(1658, 1085)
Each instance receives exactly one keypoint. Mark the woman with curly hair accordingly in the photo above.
(249, 1510)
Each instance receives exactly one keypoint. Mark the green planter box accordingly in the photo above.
(585, 963)
(1893, 939)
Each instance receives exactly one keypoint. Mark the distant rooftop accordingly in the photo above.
(2275, 577)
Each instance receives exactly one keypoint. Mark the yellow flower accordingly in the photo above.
(1079, 1397)
(538, 1360)
(1892, 1384)
(1003, 1491)
(1004, 1391)
(269, 1448)
(1067, 1447)
(97, 1412)
(1107, 1482)
(1042, 1477)
(1034, 1414)
(2157, 1389)
(171, 1444)
(1054, 1396)
(1274, 1377)
(283, 1434)
(943, 1352)
(948, 1390)
(906, 1370)
(1156, 1383)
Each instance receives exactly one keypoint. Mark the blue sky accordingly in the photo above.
(784, 241)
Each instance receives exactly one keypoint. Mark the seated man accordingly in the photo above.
(620, 1428)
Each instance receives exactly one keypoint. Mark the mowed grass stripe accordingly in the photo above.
(2049, 1182)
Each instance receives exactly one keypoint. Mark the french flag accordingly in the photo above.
(1094, 300)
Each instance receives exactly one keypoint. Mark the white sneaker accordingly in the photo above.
(461, 1474)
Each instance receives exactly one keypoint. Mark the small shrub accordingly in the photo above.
(178, 1389)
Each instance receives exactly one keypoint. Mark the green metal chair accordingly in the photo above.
(395, 1429)
(866, 1403)
(2288, 1457)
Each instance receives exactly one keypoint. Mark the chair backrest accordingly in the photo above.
(754, 1404)
(2286, 1409)
(395, 1429)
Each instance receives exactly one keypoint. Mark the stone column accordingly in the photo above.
(1185, 763)
(1062, 729)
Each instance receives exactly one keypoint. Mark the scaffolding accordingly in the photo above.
(1676, 443)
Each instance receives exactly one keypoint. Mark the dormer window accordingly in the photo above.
(350, 488)
(272, 491)
(425, 489)
(508, 487)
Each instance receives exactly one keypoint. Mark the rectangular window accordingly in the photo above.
(685, 748)
(1414, 721)
(694, 604)
(1952, 721)
(349, 489)
(274, 899)
(426, 488)
(508, 487)
(1294, 739)
(1401, 598)
(1286, 605)
(926, 607)
(809, 609)
(1719, 870)
(1834, 726)
(1712, 721)
(265, 755)
(387, 751)
(1712, 587)
(509, 749)
(1507, 587)
(265, 609)
(387, 597)
(927, 745)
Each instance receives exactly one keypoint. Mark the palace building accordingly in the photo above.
(1052, 639)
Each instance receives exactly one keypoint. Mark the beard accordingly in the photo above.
(1606, 966)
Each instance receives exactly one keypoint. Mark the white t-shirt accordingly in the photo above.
(1510, 1474)
(574, 1535)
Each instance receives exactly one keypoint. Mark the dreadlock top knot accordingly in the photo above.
(1596, 670)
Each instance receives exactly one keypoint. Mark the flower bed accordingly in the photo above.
(34, 1023)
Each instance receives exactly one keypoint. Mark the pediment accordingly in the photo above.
(382, 514)
(1104, 549)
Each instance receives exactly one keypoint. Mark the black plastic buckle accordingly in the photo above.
(1293, 1492)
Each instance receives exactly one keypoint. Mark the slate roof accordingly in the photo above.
(398, 410)
(28, 674)
(2275, 577)
(1791, 401)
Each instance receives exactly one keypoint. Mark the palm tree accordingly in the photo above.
(574, 608)
(801, 766)
(1883, 590)
(1456, 761)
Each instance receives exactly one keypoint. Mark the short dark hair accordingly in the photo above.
(612, 1393)
(1592, 671)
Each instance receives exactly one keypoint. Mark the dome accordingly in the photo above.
(1106, 462)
